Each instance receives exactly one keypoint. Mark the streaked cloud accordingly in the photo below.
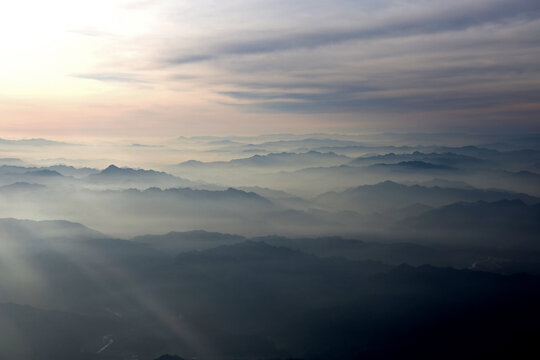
(110, 77)
(429, 18)
(366, 63)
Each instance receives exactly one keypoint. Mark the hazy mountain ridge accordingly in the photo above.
(505, 222)
(283, 159)
(33, 142)
(20, 186)
(329, 284)
(270, 180)
(177, 242)
(127, 176)
(362, 209)
(389, 194)
(413, 165)
(11, 161)
(254, 282)
(441, 159)
(64, 170)
(13, 228)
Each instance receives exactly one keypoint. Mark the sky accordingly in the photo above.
(164, 68)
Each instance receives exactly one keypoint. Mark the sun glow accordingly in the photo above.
(46, 43)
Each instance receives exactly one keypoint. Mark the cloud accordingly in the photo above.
(431, 61)
(424, 18)
(473, 60)
(110, 77)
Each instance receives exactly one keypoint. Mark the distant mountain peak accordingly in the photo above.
(111, 169)
(506, 203)
(389, 183)
(417, 164)
(21, 185)
(48, 229)
(191, 162)
(114, 171)
(44, 172)
(248, 249)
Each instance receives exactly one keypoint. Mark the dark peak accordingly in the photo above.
(11, 161)
(274, 154)
(157, 190)
(505, 203)
(526, 173)
(241, 192)
(403, 267)
(202, 234)
(389, 183)
(169, 357)
(385, 184)
(417, 207)
(52, 228)
(197, 232)
(252, 248)
(524, 152)
(111, 168)
(44, 172)
(269, 238)
(191, 162)
(199, 236)
(207, 194)
(22, 185)
(248, 250)
(510, 203)
(246, 194)
(233, 190)
(512, 208)
(441, 273)
(417, 163)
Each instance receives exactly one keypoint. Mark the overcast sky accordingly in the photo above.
(164, 68)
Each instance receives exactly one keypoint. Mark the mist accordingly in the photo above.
(261, 247)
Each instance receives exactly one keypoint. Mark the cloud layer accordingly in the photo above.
(393, 64)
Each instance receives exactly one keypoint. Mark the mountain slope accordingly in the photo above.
(501, 223)
(388, 195)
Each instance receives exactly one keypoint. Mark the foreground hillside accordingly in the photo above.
(112, 299)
